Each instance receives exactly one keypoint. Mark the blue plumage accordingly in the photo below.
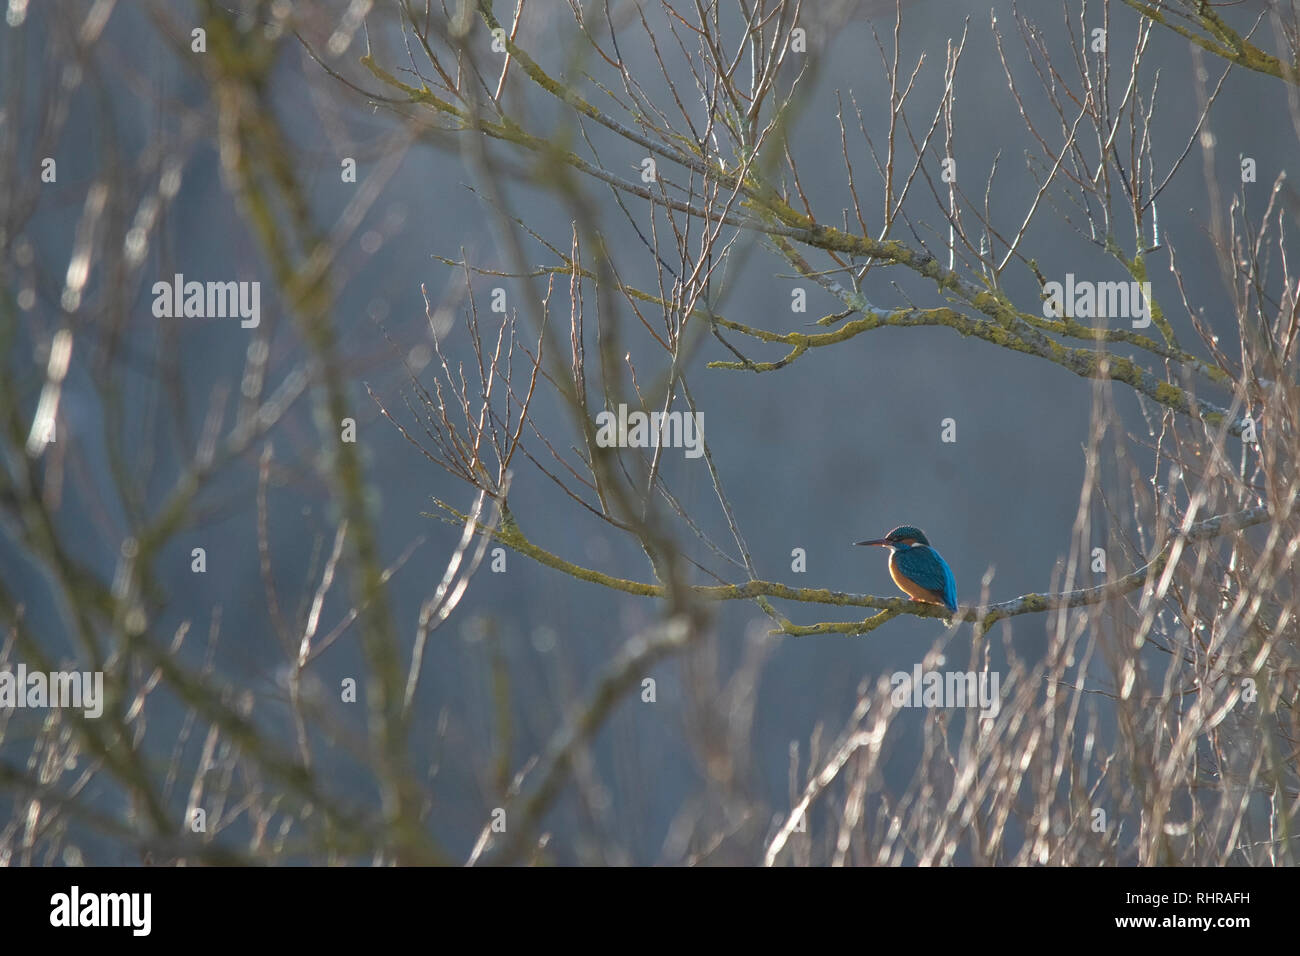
(924, 565)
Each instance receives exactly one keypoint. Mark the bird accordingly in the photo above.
(918, 570)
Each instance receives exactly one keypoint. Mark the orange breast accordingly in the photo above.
(910, 587)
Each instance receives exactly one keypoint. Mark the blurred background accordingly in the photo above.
(173, 434)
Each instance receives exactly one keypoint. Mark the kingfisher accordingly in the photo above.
(919, 570)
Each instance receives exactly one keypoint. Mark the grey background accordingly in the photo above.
(842, 445)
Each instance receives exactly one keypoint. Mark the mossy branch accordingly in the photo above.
(509, 534)
(1222, 40)
(1007, 326)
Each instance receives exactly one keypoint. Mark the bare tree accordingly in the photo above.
(1157, 725)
